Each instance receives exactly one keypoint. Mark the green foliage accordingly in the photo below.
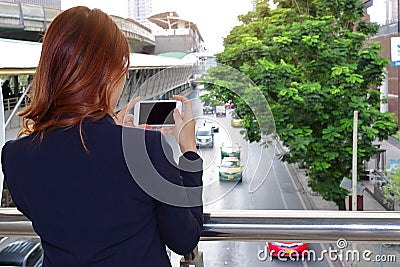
(392, 189)
(311, 61)
(397, 135)
(210, 100)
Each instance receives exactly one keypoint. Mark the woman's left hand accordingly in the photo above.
(123, 117)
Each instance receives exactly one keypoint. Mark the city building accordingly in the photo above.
(386, 14)
(55, 4)
(175, 34)
(140, 10)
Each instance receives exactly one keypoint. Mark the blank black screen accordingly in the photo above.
(157, 113)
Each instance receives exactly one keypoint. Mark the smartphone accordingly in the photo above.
(156, 112)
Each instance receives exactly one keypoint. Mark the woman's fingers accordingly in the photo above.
(186, 102)
(130, 105)
(128, 120)
(167, 130)
(177, 117)
(123, 117)
(184, 125)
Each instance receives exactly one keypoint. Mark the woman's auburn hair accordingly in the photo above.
(84, 57)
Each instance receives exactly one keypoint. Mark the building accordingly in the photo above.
(386, 14)
(140, 10)
(175, 34)
(54, 4)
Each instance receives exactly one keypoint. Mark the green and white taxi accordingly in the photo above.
(230, 169)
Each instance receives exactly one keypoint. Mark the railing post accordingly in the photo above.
(17, 105)
(193, 259)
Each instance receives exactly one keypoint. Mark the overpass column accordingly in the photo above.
(21, 14)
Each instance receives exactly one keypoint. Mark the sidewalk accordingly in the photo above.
(369, 204)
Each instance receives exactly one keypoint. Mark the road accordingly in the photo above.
(266, 184)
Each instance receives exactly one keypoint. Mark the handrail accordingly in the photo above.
(22, 97)
(302, 225)
(263, 225)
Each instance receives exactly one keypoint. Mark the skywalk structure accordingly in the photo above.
(28, 22)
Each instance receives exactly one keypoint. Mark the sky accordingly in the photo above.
(214, 18)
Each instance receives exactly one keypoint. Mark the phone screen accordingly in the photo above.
(156, 113)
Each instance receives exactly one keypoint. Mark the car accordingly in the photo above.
(214, 125)
(220, 111)
(229, 105)
(208, 110)
(230, 169)
(236, 122)
(204, 137)
(230, 151)
(16, 251)
(285, 249)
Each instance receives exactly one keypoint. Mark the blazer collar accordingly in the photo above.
(109, 119)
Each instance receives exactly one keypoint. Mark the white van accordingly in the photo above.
(220, 111)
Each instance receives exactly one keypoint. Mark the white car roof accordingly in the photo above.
(230, 159)
(204, 128)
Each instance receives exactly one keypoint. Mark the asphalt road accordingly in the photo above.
(266, 184)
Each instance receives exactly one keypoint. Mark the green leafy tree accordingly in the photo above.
(392, 189)
(312, 62)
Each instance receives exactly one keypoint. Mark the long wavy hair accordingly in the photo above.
(84, 57)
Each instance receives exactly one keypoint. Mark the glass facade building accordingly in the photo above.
(140, 10)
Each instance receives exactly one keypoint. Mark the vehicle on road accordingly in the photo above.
(208, 110)
(230, 151)
(18, 251)
(213, 124)
(204, 137)
(286, 249)
(220, 111)
(236, 121)
(229, 105)
(230, 169)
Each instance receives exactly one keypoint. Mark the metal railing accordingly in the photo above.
(10, 103)
(278, 225)
(301, 225)
(253, 225)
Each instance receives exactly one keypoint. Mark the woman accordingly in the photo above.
(69, 173)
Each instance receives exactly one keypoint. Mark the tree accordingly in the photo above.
(311, 61)
(392, 189)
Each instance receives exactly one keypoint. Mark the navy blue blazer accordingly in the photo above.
(103, 207)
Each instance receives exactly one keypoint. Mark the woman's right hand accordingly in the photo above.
(184, 128)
